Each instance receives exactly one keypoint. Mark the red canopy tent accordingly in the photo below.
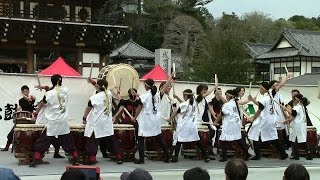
(60, 67)
(157, 74)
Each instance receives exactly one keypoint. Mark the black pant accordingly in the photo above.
(276, 143)
(295, 148)
(10, 136)
(159, 139)
(109, 143)
(224, 145)
(199, 145)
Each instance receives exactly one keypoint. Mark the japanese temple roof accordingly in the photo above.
(306, 79)
(255, 49)
(299, 43)
(132, 50)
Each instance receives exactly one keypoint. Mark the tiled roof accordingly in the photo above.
(132, 50)
(304, 43)
(306, 79)
(255, 49)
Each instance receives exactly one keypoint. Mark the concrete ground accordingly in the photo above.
(262, 170)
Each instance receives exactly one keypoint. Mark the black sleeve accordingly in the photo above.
(261, 106)
(179, 111)
(90, 104)
(20, 102)
(139, 102)
(161, 95)
(44, 100)
(122, 103)
(273, 92)
(199, 98)
(294, 113)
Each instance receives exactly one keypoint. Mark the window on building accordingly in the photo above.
(315, 69)
(294, 69)
(279, 70)
(282, 70)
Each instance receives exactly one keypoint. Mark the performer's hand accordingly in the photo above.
(290, 75)
(133, 119)
(250, 120)
(35, 115)
(216, 124)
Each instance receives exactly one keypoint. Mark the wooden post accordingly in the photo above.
(30, 60)
(79, 60)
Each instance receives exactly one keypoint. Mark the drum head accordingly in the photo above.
(122, 76)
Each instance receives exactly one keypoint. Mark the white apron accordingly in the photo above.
(165, 108)
(231, 126)
(200, 109)
(279, 116)
(99, 122)
(56, 112)
(41, 118)
(299, 125)
(265, 124)
(149, 121)
(186, 130)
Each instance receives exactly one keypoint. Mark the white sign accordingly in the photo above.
(163, 58)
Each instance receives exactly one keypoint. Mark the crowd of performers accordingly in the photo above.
(147, 112)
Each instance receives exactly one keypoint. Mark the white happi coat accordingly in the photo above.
(165, 108)
(279, 116)
(41, 118)
(200, 106)
(299, 125)
(57, 119)
(148, 120)
(231, 126)
(187, 130)
(98, 121)
(265, 124)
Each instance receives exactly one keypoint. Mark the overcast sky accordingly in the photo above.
(275, 8)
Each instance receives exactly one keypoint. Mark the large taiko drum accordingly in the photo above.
(125, 135)
(189, 149)
(23, 117)
(123, 76)
(153, 149)
(77, 132)
(25, 136)
(233, 147)
(312, 140)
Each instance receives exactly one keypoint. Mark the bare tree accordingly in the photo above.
(185, 36)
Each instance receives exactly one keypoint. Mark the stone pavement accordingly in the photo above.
(263, 169)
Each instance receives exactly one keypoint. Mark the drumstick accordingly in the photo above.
(125, 110)
(39, 84)
(314, 115)
(286, 69)
(216, 80)
(90, 74)
(174, 67)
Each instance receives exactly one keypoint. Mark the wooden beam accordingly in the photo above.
(30, 59)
